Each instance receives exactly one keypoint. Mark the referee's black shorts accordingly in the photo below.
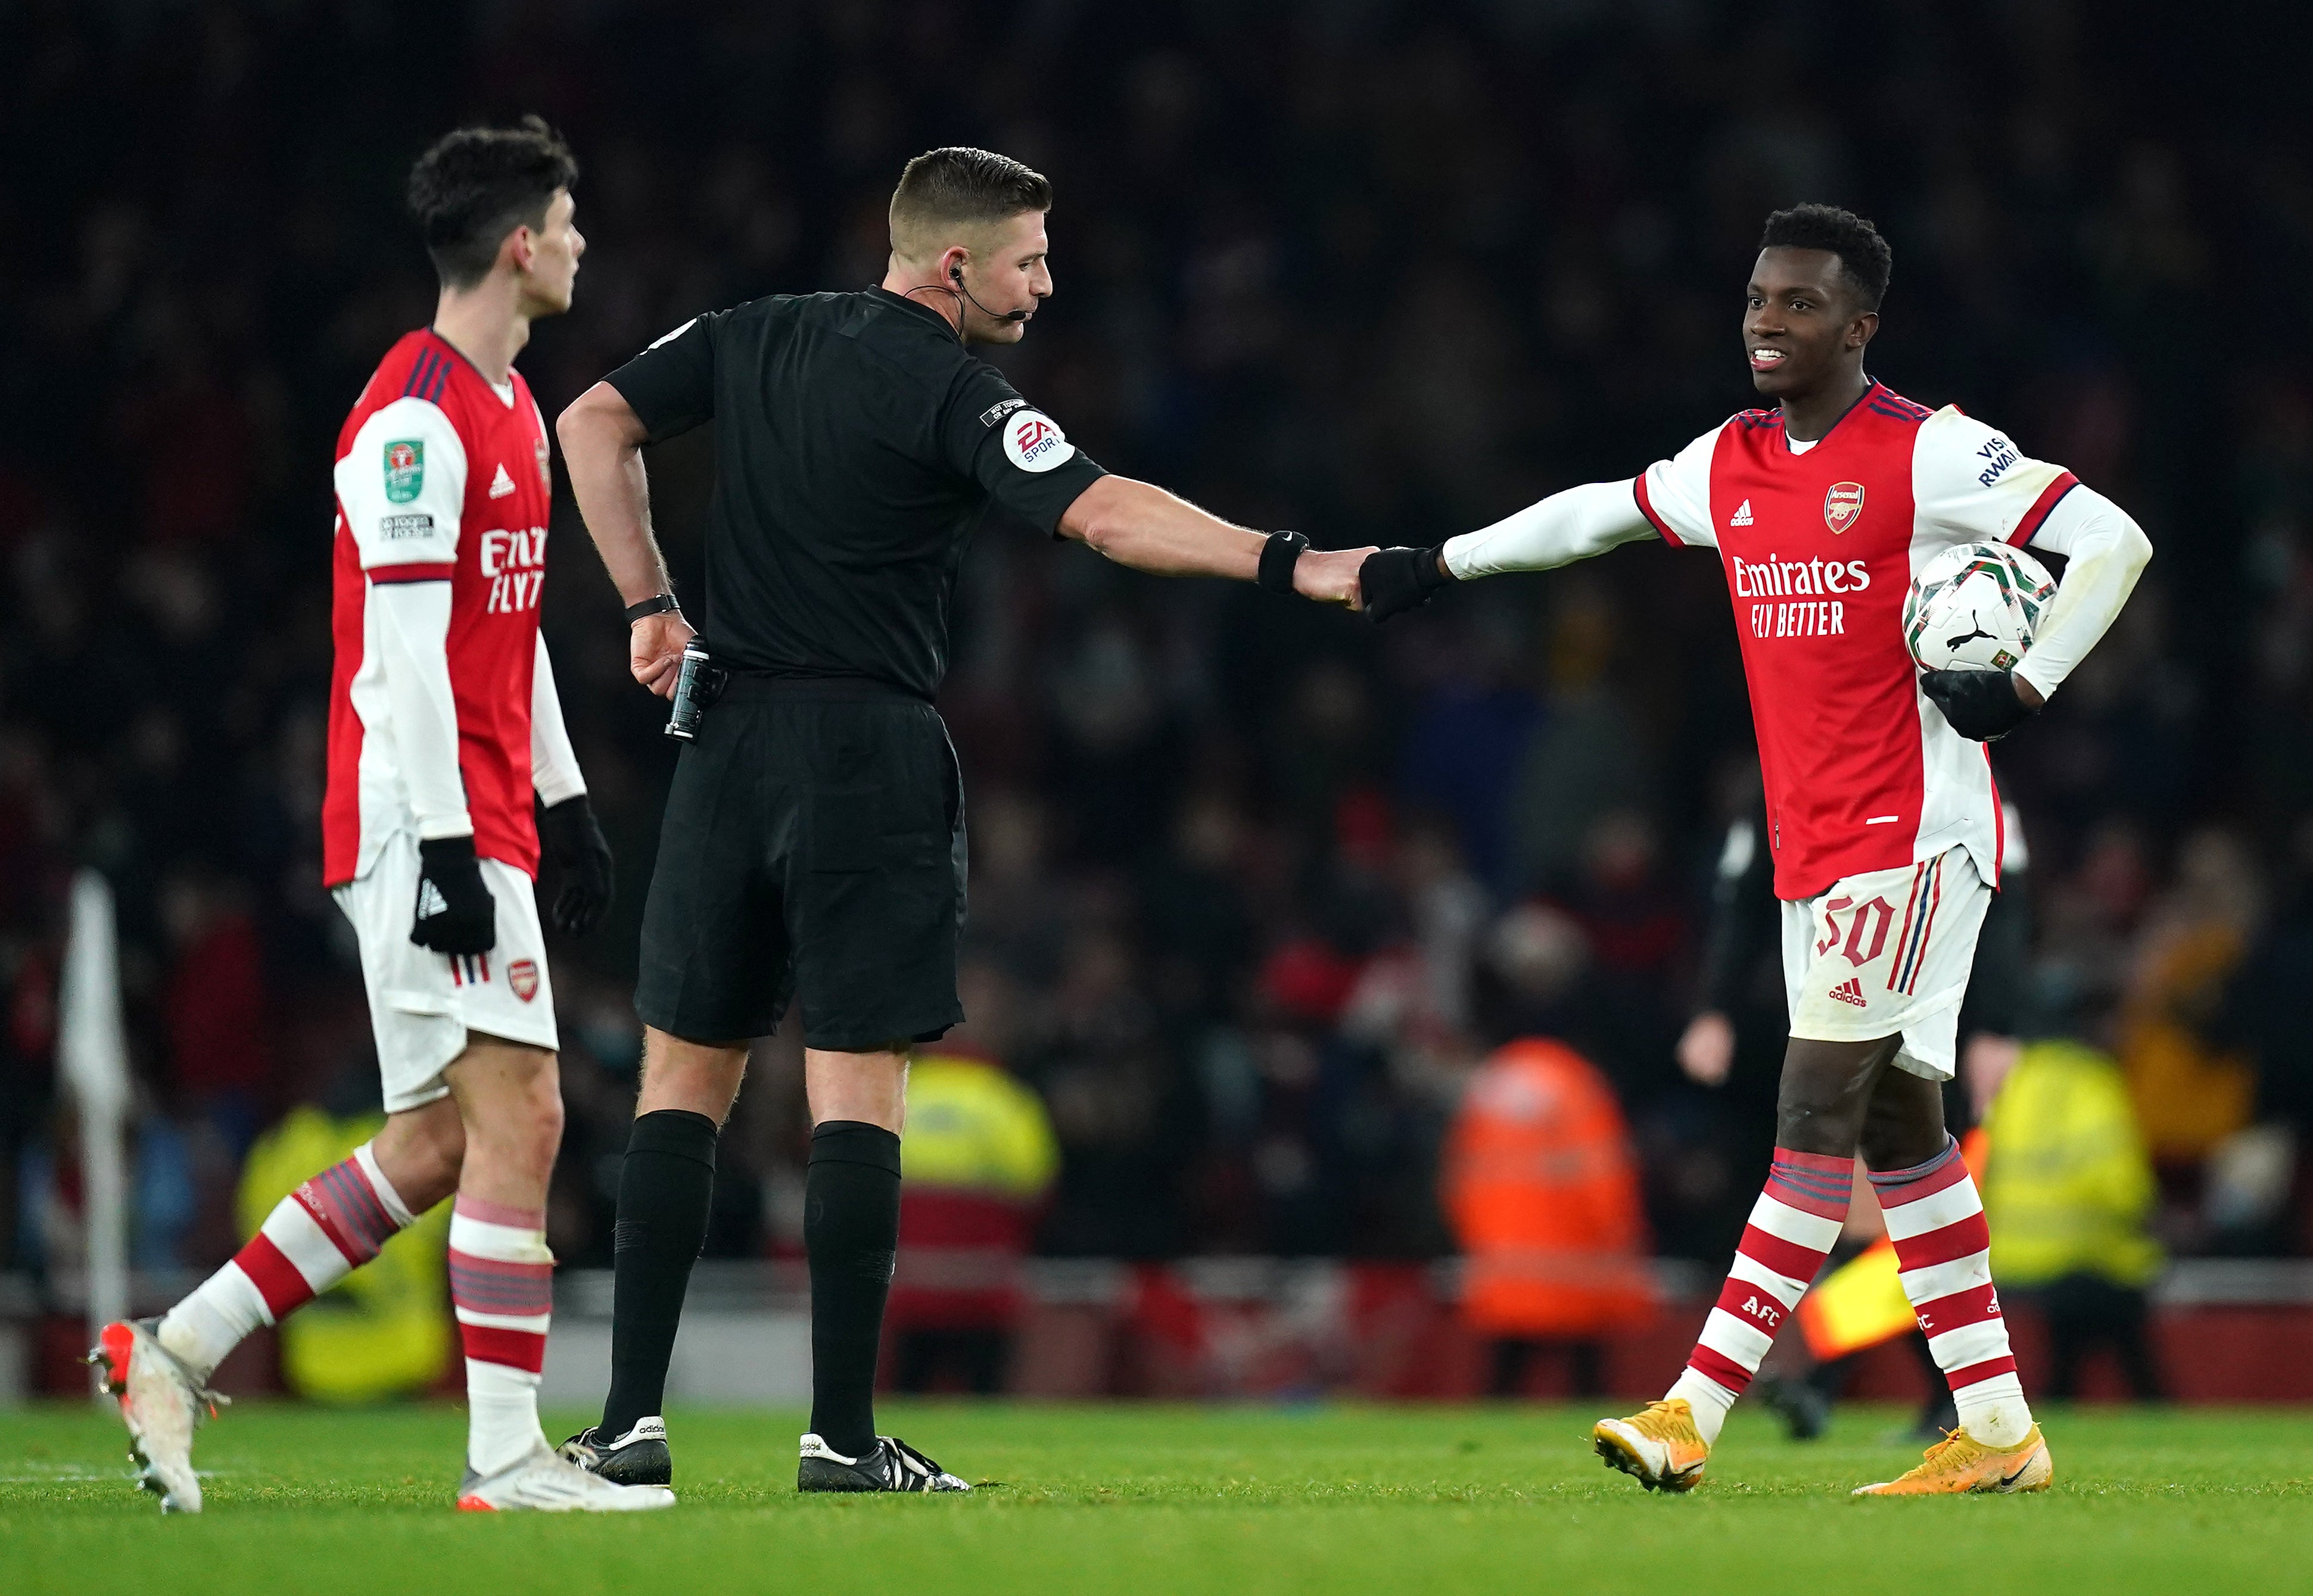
(813, 844)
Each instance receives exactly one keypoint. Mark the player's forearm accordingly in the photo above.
(602, 449)
(1563, 528)
(1140, 525)
(554, 772)
(413, 631)
(2106, 551)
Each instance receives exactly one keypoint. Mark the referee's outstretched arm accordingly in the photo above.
(1134, 523)
(1140, 524)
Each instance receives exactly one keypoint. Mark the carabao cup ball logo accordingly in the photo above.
(1034, 442)
(405, 470)
(1842, 505)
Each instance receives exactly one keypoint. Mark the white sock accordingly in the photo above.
(1707, 1398)
(221, 1313)
(1993, 1411)
(501, 1285)
(331, 1224)
(1943, 1248)
(502, 1415)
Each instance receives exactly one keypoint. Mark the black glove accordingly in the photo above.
(568, 835)
(1983, 704)
(455, 911)
(1393, 580)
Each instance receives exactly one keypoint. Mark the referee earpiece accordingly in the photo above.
(955, 276)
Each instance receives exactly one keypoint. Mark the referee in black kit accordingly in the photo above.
(814, 843)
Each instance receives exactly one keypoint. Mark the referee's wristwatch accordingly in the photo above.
(656, 604)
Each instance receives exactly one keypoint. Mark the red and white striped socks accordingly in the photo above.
(1793, 1230)
(1944, 1249)
(502, 1286)
(314, 1237)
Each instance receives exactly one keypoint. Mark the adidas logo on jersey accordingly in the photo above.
(1851, 990)
(1742, 516)
(501, 485)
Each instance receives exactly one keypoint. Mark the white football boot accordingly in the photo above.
(541, 1482)
(161, 1403)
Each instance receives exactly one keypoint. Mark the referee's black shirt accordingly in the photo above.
(857, 444)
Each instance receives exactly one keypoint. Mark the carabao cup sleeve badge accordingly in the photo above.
(1842, 505)
(405, 470)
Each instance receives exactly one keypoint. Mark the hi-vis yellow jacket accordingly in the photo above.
(979, 1158)
(974, 1126)
(2068, 1185)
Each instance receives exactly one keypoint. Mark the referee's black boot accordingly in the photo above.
(638, 1458)
(892, 1465)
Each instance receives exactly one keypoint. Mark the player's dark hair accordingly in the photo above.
(962, 186)
(475, 185)
(1863, 255)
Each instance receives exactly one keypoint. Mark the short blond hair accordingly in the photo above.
(943, 192)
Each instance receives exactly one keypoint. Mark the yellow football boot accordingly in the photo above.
(1659, 1447)
(1959, 1464)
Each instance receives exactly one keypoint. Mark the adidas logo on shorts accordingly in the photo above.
(1851, 990)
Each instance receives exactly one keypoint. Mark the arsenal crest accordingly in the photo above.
(521, 975)
(1842, 505)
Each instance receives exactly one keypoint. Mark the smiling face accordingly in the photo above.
(1805, 326)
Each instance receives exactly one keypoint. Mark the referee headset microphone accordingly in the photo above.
(955, 276)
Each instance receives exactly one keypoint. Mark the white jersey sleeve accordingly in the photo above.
(1675, 493)
(1561, 529)
(554, 772)
(1969, 482)
(402, 485)
(413, 636)
(2104, 552)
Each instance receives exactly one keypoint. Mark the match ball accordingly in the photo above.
(1976, 607)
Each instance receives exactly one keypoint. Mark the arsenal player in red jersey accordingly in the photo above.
(1883, 819)
(448, 767)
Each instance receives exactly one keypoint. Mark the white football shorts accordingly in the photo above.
(1887, 952)
(423, 1003)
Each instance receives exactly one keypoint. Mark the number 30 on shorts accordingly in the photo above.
(1866, 930)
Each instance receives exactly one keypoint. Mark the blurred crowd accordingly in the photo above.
(1255, 887)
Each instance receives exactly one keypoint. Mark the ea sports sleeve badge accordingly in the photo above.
(1034, 442)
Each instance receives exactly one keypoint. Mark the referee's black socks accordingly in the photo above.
(665, 1189)
(851, 1230)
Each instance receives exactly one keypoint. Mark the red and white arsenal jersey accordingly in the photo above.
(1819, 542)
(440, 476)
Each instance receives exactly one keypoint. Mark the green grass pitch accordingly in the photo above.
(1109, 1500)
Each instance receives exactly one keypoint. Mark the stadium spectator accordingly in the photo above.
(2067, 1192)
(979, 1159)
(1539, 1185)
